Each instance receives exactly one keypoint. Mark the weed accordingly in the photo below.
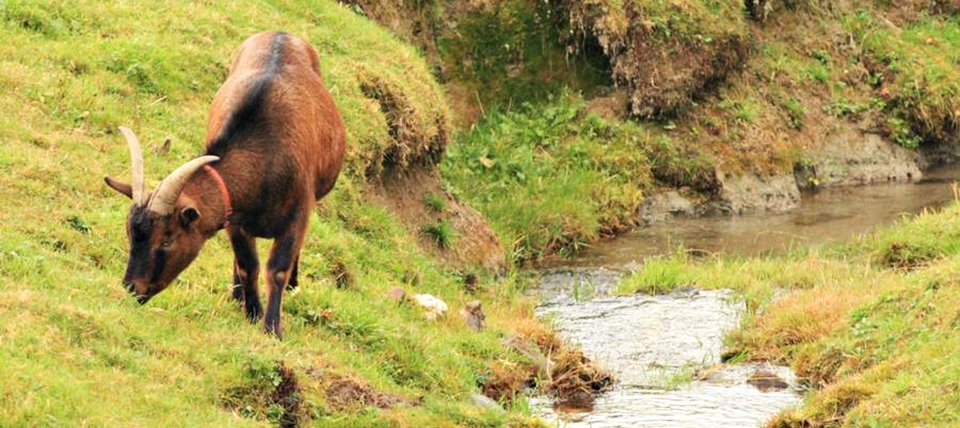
(795, 112)
(845, 108)
(902, 133)
(442, 233)
(437, 202)
(548, 176)
(657, 276)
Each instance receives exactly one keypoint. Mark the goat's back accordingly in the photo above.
(275, 108)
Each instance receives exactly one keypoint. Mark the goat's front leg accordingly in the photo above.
(280, 267)
(246, 271)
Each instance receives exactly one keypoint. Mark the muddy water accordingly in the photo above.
(829, 215)
(654, 343)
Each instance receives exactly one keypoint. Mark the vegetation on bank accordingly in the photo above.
(871, 326)
(553, 177)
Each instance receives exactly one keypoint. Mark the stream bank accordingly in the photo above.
(657, 344)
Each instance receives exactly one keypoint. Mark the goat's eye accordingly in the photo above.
(167, 242)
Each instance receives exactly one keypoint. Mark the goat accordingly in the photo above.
(275, 145)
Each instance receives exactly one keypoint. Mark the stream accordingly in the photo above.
(655, 344)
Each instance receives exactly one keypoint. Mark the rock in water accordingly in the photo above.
(473, 314)
(433, 307)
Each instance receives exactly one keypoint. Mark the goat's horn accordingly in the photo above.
(138, 185)
(165, 197)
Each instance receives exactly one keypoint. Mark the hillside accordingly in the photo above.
(75, 349)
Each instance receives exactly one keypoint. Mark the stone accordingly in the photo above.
(852, 157)
(397, 293)
(660, 207)
(473, 314)
(485, 402)
(433, 307)
(752, 193)
(767, 381)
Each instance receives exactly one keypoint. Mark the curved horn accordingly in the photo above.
(165, 197)
(138, 185)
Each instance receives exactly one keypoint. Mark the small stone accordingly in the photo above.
(433, 307)
(473, 314)
(486, 402)
(767, 381)
(397, 293)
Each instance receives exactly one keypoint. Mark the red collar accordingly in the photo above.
(228, 208)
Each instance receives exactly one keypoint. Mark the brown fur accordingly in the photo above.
(276, 161)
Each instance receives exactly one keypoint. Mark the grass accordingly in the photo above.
(75, 347)
(442, 233)
(871, 326)
(918, 65)
(550, 177)
(436, 202)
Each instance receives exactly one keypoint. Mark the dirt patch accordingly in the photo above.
(272, 392)
(346, 394)
(420, 202)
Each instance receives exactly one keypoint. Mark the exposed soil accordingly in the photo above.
(346, 394)
(474, 243)
(269, 392)
(662, 76)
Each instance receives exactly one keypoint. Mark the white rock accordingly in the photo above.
(433, 307)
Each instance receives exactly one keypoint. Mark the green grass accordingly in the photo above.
(918, 65)
(442, 233)
(550, 177)
(436, 202)
(76, 350)
(875, 340)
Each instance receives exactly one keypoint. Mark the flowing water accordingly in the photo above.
(654, 343)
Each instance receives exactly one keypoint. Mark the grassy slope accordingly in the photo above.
(74, 347)
(872, 326)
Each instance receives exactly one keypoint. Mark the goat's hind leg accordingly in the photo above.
(280, 270)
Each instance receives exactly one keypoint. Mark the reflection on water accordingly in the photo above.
(652, 343)
(829, 215)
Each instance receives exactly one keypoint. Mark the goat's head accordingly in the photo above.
(162, 227)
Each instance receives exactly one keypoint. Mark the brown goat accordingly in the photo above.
(275, 144)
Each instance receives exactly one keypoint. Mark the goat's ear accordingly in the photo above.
(189, 215)
(123, 188)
